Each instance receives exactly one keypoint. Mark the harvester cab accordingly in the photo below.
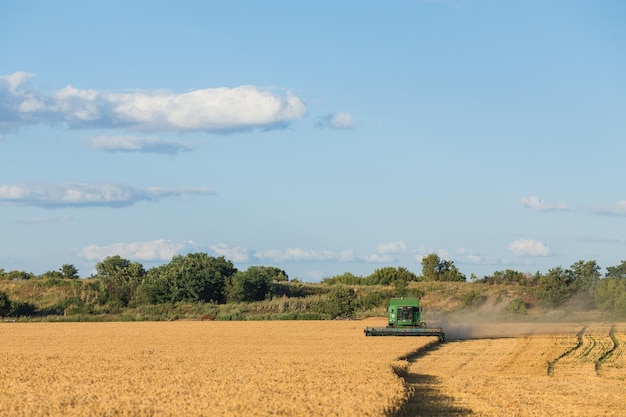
(403, 312)
(404, 318)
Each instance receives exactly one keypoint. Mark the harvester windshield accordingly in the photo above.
(404, 312)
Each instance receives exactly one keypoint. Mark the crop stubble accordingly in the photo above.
(511, 376)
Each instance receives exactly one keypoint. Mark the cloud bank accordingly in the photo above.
(529, 247)
(339, 121)
(89, 195)
(304, 255)
(236, 254)
(138, 144)
(535, 203)
(210, 110)
(156, 250)
(617, 209)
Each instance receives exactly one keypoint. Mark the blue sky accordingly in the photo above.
(319, 137)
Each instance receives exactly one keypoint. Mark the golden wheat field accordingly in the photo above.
(285, 368)
(536, 370)
(314, 368)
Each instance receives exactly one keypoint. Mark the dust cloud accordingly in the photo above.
(468, 326)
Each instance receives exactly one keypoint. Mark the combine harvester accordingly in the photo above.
(405, 319)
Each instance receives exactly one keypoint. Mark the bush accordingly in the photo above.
(472, 299)
(21, 309)
(5, 304)
(346, 278)
(555, 287)
(374, 299)
(516, 307)
(610, 295)
(341, 302)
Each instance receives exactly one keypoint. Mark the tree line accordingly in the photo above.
(200, 278)
(582, 282)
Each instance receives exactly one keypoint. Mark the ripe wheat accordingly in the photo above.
(200, 369)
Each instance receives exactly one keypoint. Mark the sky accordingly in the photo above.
(319, 137)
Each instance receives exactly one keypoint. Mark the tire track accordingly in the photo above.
(553, 363)
(424, 395)
(608, 353)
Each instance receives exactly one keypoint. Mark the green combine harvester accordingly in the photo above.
(405, 319)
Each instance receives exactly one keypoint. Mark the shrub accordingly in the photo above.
(5, 304)
(21, 309)
(516, 307)
(472, 299)
(374, 299)
(341, 302)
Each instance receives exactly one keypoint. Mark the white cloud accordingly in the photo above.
(391, 247)
(149, 144)
(617, 209)
(235, 254)
(378, 258)
(423, 251)
(89, 195)
(466, 256)
(536, 203)
(38, 220)
(12, 82)
(529, 247)
(304, 255)
(156, 250)
(211, 109)
(339, 120)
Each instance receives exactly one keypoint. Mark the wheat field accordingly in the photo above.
(536, 370)
(309, 368)
(321, 368)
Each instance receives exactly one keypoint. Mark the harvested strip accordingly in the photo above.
(496, 377)
(551, 364)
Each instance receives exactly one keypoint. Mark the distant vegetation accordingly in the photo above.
(199, 286)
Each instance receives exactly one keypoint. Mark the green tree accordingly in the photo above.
(16, 275)
(610, 292)
(119, 279)
(191, 278)
(584, 278)
(111, 266)
(253, 284)
(429, 267)
(341, 302)
(610, 295)
(508, 276)
(51, 275)
(5, 304)
(618, 271)
(389, 275)
(584, 275)
(347, 278)
(69, 271)
(555, 286)
(436, 269)
(275, 274)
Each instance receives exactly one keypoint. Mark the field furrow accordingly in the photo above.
(495, 377)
